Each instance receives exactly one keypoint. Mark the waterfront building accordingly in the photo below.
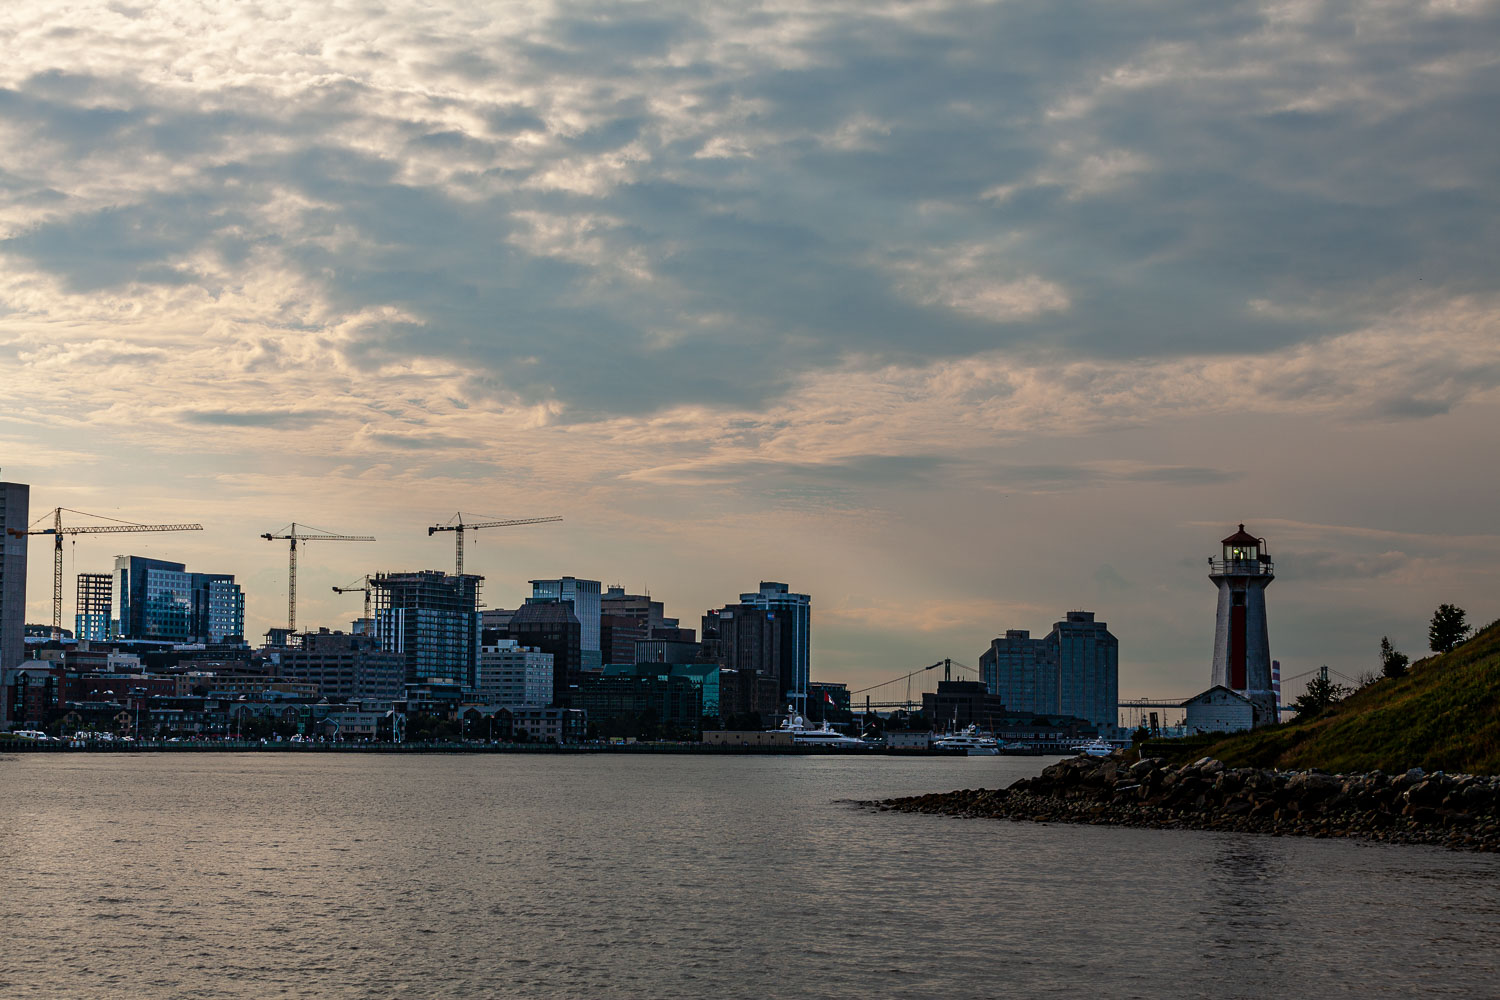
(957, 704)
(549, 725)
(585, 597)
(828, 700)
(1242, 647)
(1073, 671)
(432, 620)
(344, 667)
(157, 599)
(15, 500)
(551, 627)
(513, 676)
(622, 702)
(91, 619)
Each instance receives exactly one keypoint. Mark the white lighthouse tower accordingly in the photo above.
(1242, 646)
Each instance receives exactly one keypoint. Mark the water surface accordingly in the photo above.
(209, 875)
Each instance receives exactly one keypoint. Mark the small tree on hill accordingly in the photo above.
(1321, 692)
(1448, 628)
(1392, 663)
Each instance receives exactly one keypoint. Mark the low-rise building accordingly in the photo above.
(346, 667)
(549, 725)
(1219, 710)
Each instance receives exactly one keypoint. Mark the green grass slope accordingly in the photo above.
(1443, 715)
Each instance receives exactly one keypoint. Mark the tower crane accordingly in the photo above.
(57, 531)
(362, 587)
(291, 532)
(457, 525)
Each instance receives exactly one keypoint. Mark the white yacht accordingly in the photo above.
(1100, 747)
(970, 740)
(823, 736)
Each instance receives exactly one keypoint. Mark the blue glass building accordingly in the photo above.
(156, 599)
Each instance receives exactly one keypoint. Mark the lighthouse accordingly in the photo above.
(1242, 647)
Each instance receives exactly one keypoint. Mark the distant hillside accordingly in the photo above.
(1443, 715)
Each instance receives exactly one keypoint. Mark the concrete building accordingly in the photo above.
(345, 668)
(750, 640)
(1073, 671)
(585, 597)
(432, 620)
(513, 676)
(552, 627)
(1242, 647)
(618, 635)
(15, 510)
(549, 725)
(92, 617)
(621, 702)
(156, 599)
(794, 611)
(957, 704)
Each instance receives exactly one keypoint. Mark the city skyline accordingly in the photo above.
(952, 316)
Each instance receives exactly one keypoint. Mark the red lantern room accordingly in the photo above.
(1245, 549)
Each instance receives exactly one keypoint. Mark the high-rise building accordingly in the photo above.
(586, 607)
(15, 501)
(618, 635)
(91, 621)
(156, 599)
(749, 639)
(552, 627)
(795, 613)
(513, 675)
(432, 619)
(1073, 671)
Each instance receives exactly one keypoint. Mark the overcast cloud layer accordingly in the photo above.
(955, 314)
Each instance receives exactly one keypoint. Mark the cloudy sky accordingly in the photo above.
(955, 315)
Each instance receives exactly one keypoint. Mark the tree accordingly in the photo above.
(1321, 693)
(1448, 628)
(1392, 663)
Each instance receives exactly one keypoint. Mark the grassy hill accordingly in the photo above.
(1443, 715)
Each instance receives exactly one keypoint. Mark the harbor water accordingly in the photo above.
(247, 875)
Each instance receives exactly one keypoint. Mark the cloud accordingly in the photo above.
(531, 189)
(278, 419)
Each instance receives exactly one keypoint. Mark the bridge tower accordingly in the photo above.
(1242, 647)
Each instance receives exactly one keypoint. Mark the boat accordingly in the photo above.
(823, 735)
(1098, 747)
(970, 740)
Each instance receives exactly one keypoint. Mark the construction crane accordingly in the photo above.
(57, 531)
(362, 587)
(457, 525)
(291, 532)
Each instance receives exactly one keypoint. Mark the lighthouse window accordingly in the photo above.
(1238, 598)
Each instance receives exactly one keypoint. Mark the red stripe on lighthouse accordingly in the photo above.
(1237, 647)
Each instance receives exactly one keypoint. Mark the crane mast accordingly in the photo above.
(57, 531)
(363, 588)
(294, 535)
(457, 525)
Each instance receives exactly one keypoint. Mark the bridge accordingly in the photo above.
(906, 691)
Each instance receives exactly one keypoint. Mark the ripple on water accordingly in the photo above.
(683, 877)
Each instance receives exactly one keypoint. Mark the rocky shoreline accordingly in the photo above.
(1451, 810)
